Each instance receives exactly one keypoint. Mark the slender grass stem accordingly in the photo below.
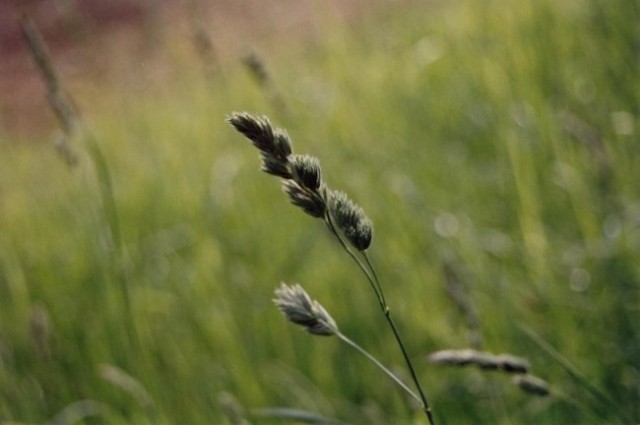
(358, 261)
(425, 403)
(302, 181)
(380, 366)
(375, 276)
(72, 126)
(369, 272)
(606, 401)
(387, 314)
(105, 184)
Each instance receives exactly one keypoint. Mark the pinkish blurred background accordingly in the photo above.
(100, 42)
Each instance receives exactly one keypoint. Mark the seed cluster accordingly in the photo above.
(302, 180)
(481, 359)
(298, 307)
(508, 363)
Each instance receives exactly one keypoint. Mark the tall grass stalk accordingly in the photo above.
(72, 127)
(301, 309)
(60, 103)
(201, 39)
(257, 68)
(302, 181)
(602, 398)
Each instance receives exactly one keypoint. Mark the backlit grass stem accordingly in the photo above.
(302, 182)
(369, 271)
(299, 308)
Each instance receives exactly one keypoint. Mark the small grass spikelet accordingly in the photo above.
(306, 171)
(532, 384)
(483, 360)
(274, 166)
(351, 220)
(298, 307)
(312, 202)
(256, 129)
(274, 144)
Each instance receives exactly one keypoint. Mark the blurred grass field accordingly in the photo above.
(495, 139)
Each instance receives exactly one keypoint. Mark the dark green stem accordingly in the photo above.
(375, 276)
(425, 403)
(369, 272)
(607, 402)
(358, 261)
(117, 253)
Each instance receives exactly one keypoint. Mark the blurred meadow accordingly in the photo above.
(494, 145)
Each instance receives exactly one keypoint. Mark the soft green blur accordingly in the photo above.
(496, 138)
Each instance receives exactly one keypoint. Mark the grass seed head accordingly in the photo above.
(281, 144)
(274, 144)
(298, 307)
(275, 166)
(269, 141)
(351, 220)
(532, 384)
(513, 364)
(257, 68)
(306, 171)
(256, 129)
(483, 360)
(453, 357)
(312, 202)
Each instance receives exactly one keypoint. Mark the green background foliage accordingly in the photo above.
(496, 138)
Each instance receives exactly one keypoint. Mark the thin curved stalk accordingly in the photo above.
(355, 258)
(605, 400)
(375, 276)
(380, 366)
(414, 376)
(369, 272)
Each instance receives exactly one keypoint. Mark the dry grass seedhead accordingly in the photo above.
(312, 202)
(274, 144)
(128, 383)
(302, 182)
(232, 409)
(513, 364)
(200, 37)
(41, 331)
(60, 102)
(532, 384)
(257, 68)
(483, 360)
(508, 363)
(351, 220)
(306, 171)
(298, 307)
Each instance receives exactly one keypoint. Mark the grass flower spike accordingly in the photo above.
(298, 307)
(532, 384)
(303, 183)
(311, 202)
(351, 220)
(274, 145)
(306, 171)
(483, 360)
